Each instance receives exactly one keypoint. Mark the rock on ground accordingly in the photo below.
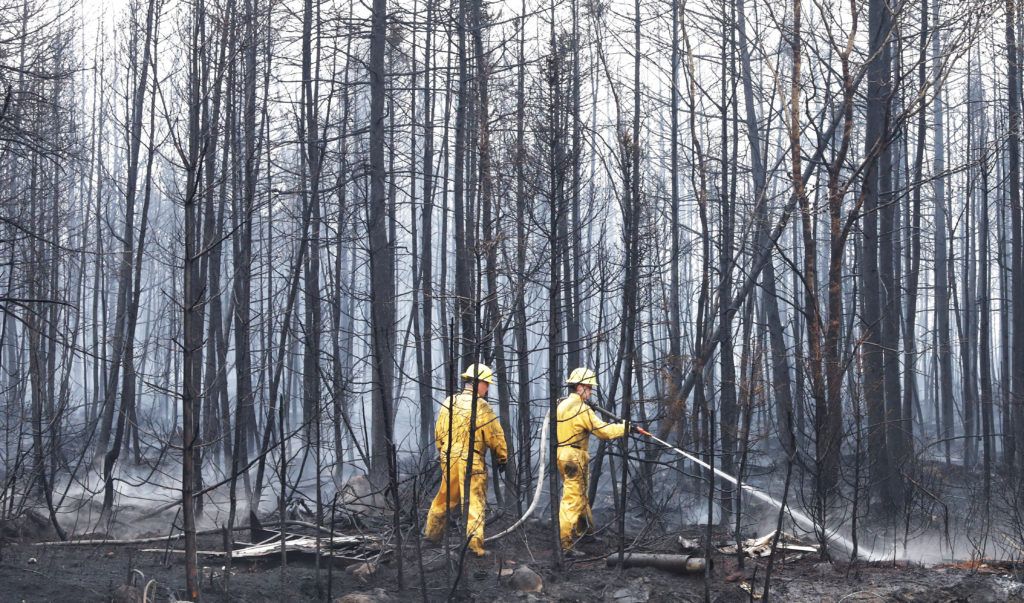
(635, 592)
(526, 580)
(360, 499)
(362, 571)
(126, 593)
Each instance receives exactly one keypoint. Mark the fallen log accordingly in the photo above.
(347, 549)
(130, 541)
(677, 564)
(177, 552)
(152, 539)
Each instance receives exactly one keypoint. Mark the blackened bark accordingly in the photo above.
(942, 284)
(1013, 450)
(875, 139)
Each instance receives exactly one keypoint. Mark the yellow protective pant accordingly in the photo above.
(449, 495)
(574, 517)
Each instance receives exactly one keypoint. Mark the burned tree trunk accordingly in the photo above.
(876, 139)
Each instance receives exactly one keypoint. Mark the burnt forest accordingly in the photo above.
(622, 301)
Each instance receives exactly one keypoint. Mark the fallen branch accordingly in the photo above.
(313, 526)
(113, 542)
(179, 552)
(302, 543)
(762, 547)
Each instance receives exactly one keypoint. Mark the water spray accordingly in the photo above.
(799, 518)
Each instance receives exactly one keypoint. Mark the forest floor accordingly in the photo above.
(96, 573)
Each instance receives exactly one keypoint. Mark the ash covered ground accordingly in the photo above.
(99, 573)
(30, 571)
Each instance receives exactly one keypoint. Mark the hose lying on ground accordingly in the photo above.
(541, 464)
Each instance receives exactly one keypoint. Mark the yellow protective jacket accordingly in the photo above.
(489, 433)
(577, 420)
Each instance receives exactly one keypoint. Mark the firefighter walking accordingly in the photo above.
(576, 421)
(452, 434)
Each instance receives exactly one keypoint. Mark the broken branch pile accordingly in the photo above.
(762, 547)
(345, 549)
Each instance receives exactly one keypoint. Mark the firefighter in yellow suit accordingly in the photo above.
(451, 434)
(576, 421)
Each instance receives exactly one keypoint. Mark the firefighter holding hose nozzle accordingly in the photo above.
(452, 434)
(576, 421)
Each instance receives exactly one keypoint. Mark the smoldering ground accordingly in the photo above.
(931, 556)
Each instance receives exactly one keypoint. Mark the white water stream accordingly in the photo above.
(800, 518)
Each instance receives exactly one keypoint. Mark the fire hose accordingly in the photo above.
(541, 462)
(799, 518)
